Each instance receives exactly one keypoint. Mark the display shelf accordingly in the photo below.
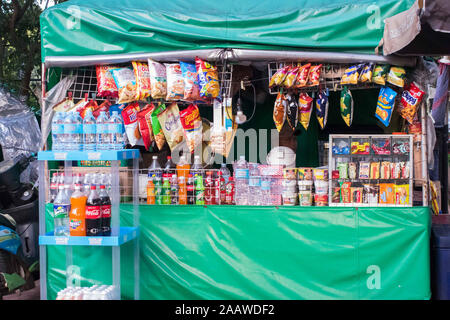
(126, 234)
(372, 155)
(111, 155)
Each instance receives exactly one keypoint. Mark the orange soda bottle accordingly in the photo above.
(183, 168)
(78, 212)
(150, 191)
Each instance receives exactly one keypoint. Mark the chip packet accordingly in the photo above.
(314, 75)
(351, 74)
(103, 107)
(364, 170)
(193, 127)
(411, 98)
(379, 74)
(65, 105)
(366, 73)
(81, 105)
(175, 82)
(346, 104)
(292, 111)
(126, 84)
(190, 78)
(290, 77)
(278, 77)
(375, 170)
(279, 110)
(171, 125)
(302, 76)
(385, 105)
(142, 75)
(208, 79)
(304, 109)
(129, 115)
(145, 125)
(387, 193)
(322, 108)
(106, 86)
(385, 170)
(402, 194)
(396, 76)
(158, 79)
(158, 132)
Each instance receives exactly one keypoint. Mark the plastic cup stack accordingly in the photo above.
(95, 292)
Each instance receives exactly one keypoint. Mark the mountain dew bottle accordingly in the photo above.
(199, 190)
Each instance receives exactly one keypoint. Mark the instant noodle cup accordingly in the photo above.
(171, 125)
(208, 79)
(321, 200)
(380, 73)
(291, 111)
(385, 105)
(346, 104)
(158, 79)
(402, 194)
(302, 76)
(142, 75)
(290, 173)
(158, 132)
(192, 125)
(322, 109)
(411, 98)
(305, 173)
(279, 111)
(387, 193)
(314, 76)
(396, 76)
(305, 198)
(278, 77)
(175, 82)
(289, 199)
(126, 84)
(145, 125)
(321, 186)
(190, 78)
(106, 86)
(320, 174)
(129, 115)
(291, 76)
(305, 109)
(305, 185)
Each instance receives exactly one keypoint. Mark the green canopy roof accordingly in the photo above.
(111, 27)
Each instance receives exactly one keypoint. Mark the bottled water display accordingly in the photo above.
(254, 186)
(69, 132)
(78, 132)
(89, 132)
(241, 174)
(103, 137)
(58, 131)
(225, 172)
(115, 132)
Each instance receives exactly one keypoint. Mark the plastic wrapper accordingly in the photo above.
(336, 195)
(400, 147)
(357, 194)
(381, 147)
(158, 132)
(346, 104)
(158, 79)
(314, 75)
(405, 170)
(322, 109)
(278, 77)
(370, 193)
(366, 73)
(208, 79)
(291, 76)
(396, 76)
(380, 73)
(351, 74)
(395, 170)
(292, 111)
(126, 84)
(279, 111)
(385, 170)
(364, 170)
(192, 125)
(387, 193)
(99, 108)
(66, 105)
(411, 98)
(343, 170)
(304, 109)
(374, 170)
(81, 106)
(190, 78)
(302, 76)
(352, 170)
(402, 194)
(175, 82)
(129, 115)
(342, 147)
(345, 192)
(385, 105)
(145, 125)
(171, 125)
(360, 147)
(142, 75)
(106, 86)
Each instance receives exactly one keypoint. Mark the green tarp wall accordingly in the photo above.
(233, 252)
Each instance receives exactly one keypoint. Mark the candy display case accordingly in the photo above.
(371, 171)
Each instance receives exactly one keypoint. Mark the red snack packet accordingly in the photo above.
(314, 75)
(106, 86)
(302, 75)
(192, 125)
(103, 107)
(410, 101)
(130, 121)
(145, 125)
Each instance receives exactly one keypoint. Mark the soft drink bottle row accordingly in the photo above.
(70, 132)
(82, 214)
(95, 292)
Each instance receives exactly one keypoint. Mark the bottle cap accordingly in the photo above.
(93, 187)
(102, 187)
(190, 176)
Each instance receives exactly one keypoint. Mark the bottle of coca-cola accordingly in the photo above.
(54, 186)
(209, 188)
(220, 189)
(190, 190)
(105, 211)
(93, 215)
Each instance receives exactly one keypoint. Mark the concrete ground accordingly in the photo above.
(32, 294)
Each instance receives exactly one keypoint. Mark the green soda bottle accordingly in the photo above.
(166, 190)
(158, 190)
(199, 190)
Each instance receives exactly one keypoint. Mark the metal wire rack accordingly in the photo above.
(330, 78)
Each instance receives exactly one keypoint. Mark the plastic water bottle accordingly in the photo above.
(197, 168)
(266, 182)
(225, 172)
(58, 131)
(78, 134)
(155, 169)
(115, 131)
(69, 132)
(61, 209)
(254, 185)
(103, 141)
(241, 174)
(89, 132)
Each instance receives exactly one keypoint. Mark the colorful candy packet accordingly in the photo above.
(302, 76)
(158, 79)
(346, 104)
(410, 101)
(396, 76)
(387, 193)
(385, 105)
(171, 125)
(145, 125)
(279, 110)
(351, 75)
(305, 109)
(208, 79)
(379, 74)
(142, 75)
(158, 132)
(366, 73)
(291, 76)
(292, 111)
(106, 86)
(322, 108)
(278, 77)
(314, 75)
(129, 115)
(175, 82)
(402, 194)
(193, 126)
(126, 84)
(190, 78)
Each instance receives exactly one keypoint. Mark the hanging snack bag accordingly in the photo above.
(129, 115)
(190, 78)
(396, 76)
(142, 76)
(379, 74)
(364, 170)
(208, 79)
(126, 84)
(106, 86)
(291, 76)
(158, 79)
(410, 101)
(314, 75)
(305, 109)
(171, 125)
(278, 77)
(145, 125)
(374, 170)
(192, 125)
(385, 105)
(322, 109)
(366, 73)
(351, 75)
(385, 170)
(346, 105)
(302, 76)
(99, 108)
(292, 111)
(175, 82)
(158, 133)
(402, 194)
(279, 111)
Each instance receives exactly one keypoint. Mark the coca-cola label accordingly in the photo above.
(93, 212)
(106, 211)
